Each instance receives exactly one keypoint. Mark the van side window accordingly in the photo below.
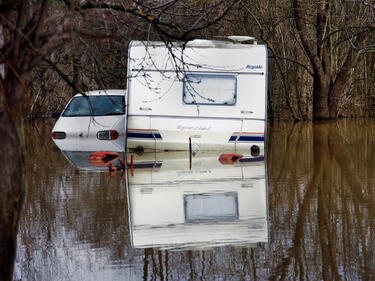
(210, 89)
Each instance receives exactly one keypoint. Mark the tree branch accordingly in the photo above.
(41, 19)
(302, 31)
(125, 9)
(64, 76)
(322, 17)
(350, 62)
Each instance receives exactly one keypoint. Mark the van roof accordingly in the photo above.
(105, 92)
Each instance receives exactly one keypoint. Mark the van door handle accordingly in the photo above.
(145, 108)
(247, 112)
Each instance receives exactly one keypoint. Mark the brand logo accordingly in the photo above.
(249, 66)
(192, 128)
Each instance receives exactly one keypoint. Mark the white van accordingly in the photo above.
(205, 95)
(100, 114)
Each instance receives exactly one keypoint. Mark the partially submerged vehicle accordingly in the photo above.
(100, 114)
(202, 95)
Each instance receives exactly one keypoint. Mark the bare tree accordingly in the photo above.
(28, 34)
(321, 50)
(316, 35)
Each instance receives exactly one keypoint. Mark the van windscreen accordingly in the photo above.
(95, 106)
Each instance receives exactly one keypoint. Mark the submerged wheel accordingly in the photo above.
(255, 150)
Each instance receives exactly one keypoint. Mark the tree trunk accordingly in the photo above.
(12, 184)
(12, 189)
(320, 98)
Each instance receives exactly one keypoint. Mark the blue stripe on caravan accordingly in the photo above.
(146, 165)
(157, 136)
(255, 159)
(233, 138)
(251, 138)
(140, 135)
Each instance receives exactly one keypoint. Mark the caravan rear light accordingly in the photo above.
(58, 135)
(114, 134)
(107, 135)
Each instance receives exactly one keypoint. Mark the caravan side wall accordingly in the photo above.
(214, 95)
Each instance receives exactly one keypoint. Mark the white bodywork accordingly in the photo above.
(91, 144)
(84, 127)
(165, 112)
(177, 205)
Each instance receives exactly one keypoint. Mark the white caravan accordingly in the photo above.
(204, 95)
(177, 202)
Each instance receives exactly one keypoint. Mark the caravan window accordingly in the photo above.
(210, 89)
(208, 207)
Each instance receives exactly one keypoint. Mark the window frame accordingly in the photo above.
(185, 88)
(207, 198)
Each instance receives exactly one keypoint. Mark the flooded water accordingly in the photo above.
(303, 210)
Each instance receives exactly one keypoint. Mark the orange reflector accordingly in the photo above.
(229, 159)
(103, 158)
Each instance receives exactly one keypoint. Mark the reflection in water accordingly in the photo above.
(178, 205)
(321, 221)
(90, 153)
(74, 224)
(322, 201)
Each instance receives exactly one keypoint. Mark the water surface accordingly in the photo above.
(305, 212)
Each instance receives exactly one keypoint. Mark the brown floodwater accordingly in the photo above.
(304, 211)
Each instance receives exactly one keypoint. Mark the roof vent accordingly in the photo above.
(240, 39)
(200, 43)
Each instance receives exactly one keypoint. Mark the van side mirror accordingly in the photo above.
(56, 115)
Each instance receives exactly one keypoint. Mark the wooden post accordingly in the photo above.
(132, 165)
(190, 153)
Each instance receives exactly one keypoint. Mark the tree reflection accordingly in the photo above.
(329, 214)
(321, 216)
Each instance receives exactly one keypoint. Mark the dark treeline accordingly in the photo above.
(321, 64)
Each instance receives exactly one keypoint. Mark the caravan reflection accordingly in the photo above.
(177, 202)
